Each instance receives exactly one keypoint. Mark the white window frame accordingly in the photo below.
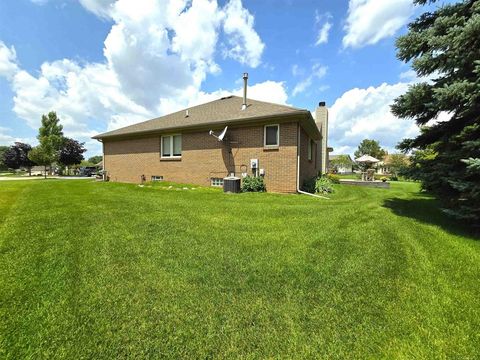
(216, 182)
(171, 156)
(265, 136)
(157, 178)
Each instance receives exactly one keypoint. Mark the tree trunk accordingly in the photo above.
(45, 173)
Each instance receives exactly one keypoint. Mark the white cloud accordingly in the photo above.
(8, 61)
(6, 137)
(245, 44)
(369, 21)
(296, 70)
(324, 30)
(365, 113)
(270, 91)
(318, 71)
(156, 58)
(101, 8)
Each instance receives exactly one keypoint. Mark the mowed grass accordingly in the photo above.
(94, 270)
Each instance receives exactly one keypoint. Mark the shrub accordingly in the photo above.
(253, 184)
(383, 178)
(309, 185)
(318, 185)
(394, 178)
(323, 185)
(335, 179)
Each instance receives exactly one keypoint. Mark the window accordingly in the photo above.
(310, 149)
(171, 146)
(157, 178)
(271, 135)
(216, 181)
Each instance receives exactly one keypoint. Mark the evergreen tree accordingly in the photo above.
(444, 46)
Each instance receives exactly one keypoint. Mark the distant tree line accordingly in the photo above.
(53, 148)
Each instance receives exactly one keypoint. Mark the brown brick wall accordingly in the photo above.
(203, 157)
(308, 168)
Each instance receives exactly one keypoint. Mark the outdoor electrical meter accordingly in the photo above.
(254, 164)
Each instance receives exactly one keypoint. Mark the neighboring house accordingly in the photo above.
(384, 166)
(340, 168)
(39, 170)
(281, 143)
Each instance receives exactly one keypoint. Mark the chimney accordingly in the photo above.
(321, 119)
(245, 80)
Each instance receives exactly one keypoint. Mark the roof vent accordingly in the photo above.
(186, 113)
(322, 104)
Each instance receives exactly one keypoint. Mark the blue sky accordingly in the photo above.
(102, 64)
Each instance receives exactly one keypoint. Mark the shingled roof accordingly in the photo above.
(218, 112)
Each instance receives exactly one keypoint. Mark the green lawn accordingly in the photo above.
(106, 271)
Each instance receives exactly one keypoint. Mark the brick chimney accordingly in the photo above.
(321, 119)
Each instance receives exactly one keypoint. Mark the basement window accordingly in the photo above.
(216, 182)
(171, 146)
(271, 136)
(157, 178)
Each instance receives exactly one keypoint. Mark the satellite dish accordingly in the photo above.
(221, 136)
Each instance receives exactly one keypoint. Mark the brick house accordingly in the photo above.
(286, 143)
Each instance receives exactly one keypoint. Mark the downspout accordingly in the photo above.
(104, 173)
(298, 169)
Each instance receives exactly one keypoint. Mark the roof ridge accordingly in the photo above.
(227, 108)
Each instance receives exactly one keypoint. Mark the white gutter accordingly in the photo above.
(298, 169)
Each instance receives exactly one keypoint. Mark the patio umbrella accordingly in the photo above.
(367, 159)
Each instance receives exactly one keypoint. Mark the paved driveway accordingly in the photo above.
(7, 178)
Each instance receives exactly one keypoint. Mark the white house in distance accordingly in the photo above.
(340, 168)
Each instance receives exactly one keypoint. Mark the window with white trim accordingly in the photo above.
(216, 182)
(271, 136)
(157, 178)
(171, 146)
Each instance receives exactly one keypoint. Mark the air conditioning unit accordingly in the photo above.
(231, 184)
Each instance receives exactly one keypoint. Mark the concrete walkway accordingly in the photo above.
(376, 183)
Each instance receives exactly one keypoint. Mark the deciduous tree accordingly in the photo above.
(71, 152)
(42, 156)
(397, 164)
(370, 147)
(16, 156)
(3, 150)
(95, 159)
(341, 161)
(50, 137)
